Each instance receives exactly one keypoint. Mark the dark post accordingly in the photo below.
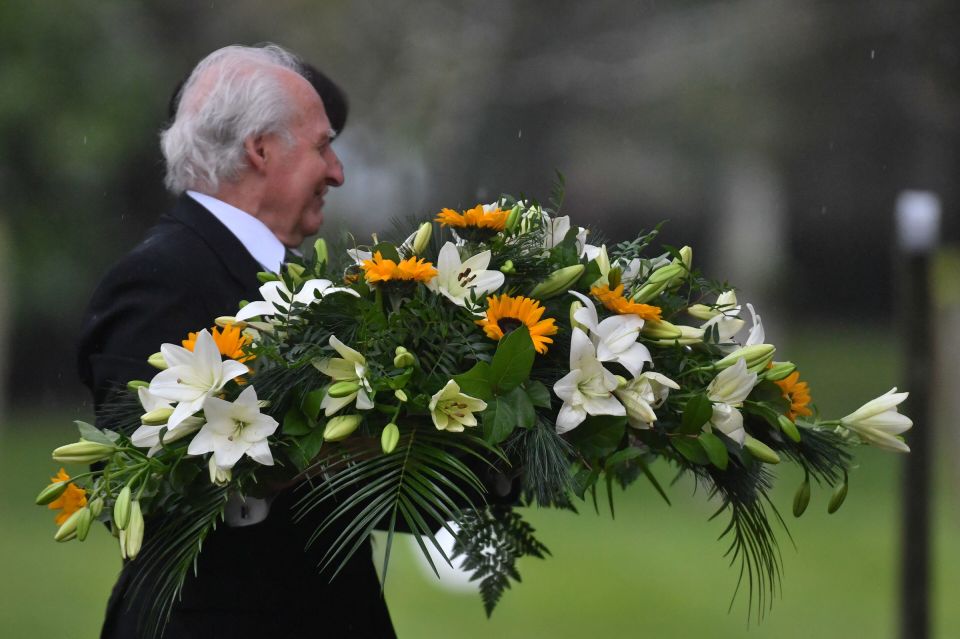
(918, 222)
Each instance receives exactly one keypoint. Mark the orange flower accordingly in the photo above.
(797, 393)
(614, 300)
(229, 340)
(506, 313)
(380, 269)
(477, 217)
(73, 499)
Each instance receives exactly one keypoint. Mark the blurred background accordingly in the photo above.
(775, 135)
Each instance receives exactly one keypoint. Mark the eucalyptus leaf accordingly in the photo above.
(499, 420)
(520, 403)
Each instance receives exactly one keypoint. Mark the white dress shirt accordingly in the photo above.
(259, 240)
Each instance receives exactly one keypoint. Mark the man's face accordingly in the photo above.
(298, 176)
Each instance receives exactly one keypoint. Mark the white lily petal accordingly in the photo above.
(569, 418)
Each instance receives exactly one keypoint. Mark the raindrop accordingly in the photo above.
(84, 140)
(823, 210)
(873, 53)
(519, 133)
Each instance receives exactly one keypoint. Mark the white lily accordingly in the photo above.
(462, 281)
(756, 334)
(192, 376)
(274, 292)
(148, 436)
(615, 338)
(878, 423)
(234, 429)
(359, 256)
(727, 391)
(556, 229)
(587, 389)
(350, 367)
(726, 316)
(451, 410)
(642, 395)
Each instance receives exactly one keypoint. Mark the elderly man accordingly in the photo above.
(249, 156)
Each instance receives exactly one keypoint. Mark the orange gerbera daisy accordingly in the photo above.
(614, 300)
(73, 499)
(505, 313)
(229, 340)
(797, 393)
(380, 269)
(491, 218)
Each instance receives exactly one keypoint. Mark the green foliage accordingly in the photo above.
(491, 541)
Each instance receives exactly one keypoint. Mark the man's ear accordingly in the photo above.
(256, 150)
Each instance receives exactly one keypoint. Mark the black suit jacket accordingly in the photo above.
(253, 581)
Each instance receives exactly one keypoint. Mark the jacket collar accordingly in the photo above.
(224, 244)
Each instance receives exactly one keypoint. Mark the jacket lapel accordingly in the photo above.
(224, 244)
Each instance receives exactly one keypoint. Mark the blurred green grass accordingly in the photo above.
(654, 571)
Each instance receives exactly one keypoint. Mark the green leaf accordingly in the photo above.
(387, 250)
(716, 450)
(476, 382)
(295, 423)
(768, 392)
(696, 413)
(590, 275)
(306, 448)
(92, 433)
(513, 360)
(622, 456)
(311, 402)
(520, 403)
(499, 420)
(538, 394)
(583, 480)
(691, 450)
(598, 435)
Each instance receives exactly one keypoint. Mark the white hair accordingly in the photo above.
(232, 94)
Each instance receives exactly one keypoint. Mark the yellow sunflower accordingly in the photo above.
(478, 217)
(614, 301)
(505, 313)
(380, 269)
(229, 340)
(797, 393)
(73, 499)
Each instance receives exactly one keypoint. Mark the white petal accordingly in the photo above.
(229, 452)
(345, 351)
(888, 422)
(588, 314)
(331, 405)
(146, 436)
(634, 358)
(260, 452)
(566, 386)
(202, 442)
(253, 309)
(363, 400)
(581, 350)
(603, 406)
(569, 418)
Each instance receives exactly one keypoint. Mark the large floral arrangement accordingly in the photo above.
(386, 380)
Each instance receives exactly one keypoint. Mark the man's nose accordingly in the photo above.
(335, 171)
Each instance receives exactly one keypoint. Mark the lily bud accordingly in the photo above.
(342, 389)
(686, 256)
(614, 277)
(558, 282)
(789, 428)
(68, 530)
(400, 395)
(801, 498)
(83, 523)
(836, 500)
(157, 361)
(219, 476)
(701, 311)
(422, 239)
(779, 371)
(756, 356)
(688, 335)
(121, 508)
(403, 358)
(665, 274)
(156, 417)
(296, 272)
(621, 381)
(266, 276)
(320, 249)
(341, 427)
(761, 451)
(603, 261)
(389, 438)
(513, 218)
(507, 268)
(660, 329)
(135, 385)
(229, 320)
(51, 492)
(96, 507)
(83, 452)
(134, 532)
(575, 306)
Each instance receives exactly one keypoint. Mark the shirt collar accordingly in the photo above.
(255, 236)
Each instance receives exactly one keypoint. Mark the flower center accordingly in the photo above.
(239, 426)
(509, 324)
